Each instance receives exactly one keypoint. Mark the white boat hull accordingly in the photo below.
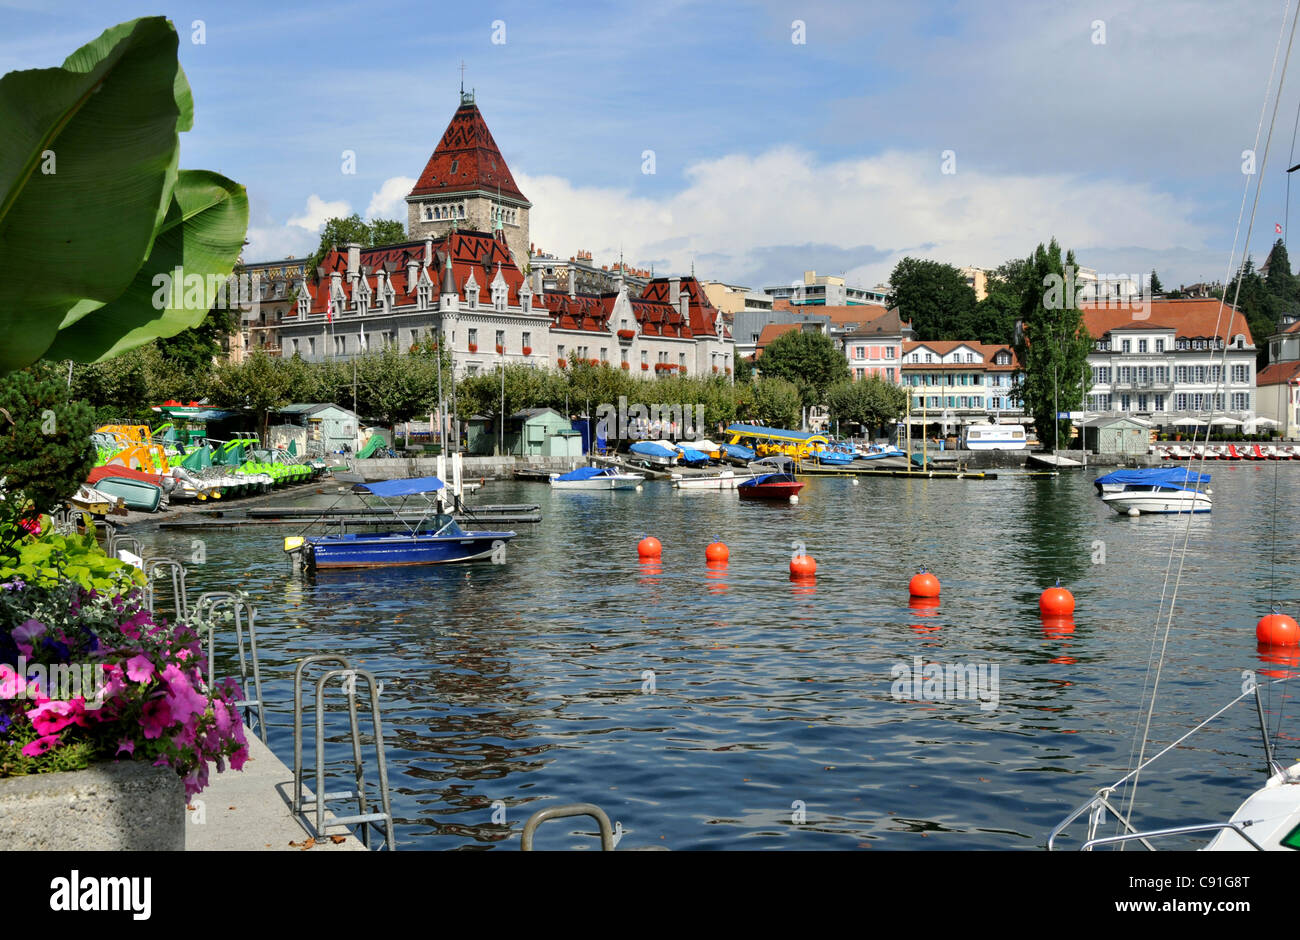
(622, 481)
(1268, 815)
(727, 480)
(1157, 501)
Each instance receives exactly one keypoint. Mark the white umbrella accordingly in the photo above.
(1254, 423)
(1220, 422)
(1188, 423)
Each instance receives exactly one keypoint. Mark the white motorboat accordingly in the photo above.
(726, 480)
(1158, 498)
(596, 478)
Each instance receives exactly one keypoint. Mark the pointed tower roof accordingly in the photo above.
(467, 159)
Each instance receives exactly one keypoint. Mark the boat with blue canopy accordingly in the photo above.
(654, 452)
(434, 539)
(691, 456)
(596, 478)
(737, 453)
(1117, 480)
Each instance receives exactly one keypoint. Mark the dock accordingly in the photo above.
(918, 473)
(248, 810)
(504, 513)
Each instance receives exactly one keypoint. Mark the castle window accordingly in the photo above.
(454, 163)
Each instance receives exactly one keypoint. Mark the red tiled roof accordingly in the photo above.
(772, 331)
(1277, 373)
(1190, 319)
(466, 159)
(467, 252)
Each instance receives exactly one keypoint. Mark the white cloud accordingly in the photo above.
(390, 201)
(319, 212)
(737, 209)
(273, 242)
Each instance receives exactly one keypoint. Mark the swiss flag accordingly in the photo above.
(1277, 227)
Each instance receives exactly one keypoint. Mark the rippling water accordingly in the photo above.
(523, 683)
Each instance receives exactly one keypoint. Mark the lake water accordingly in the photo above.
(771, 720)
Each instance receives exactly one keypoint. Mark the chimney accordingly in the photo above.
(573, 282)
(537, 281)
(354, 261)
(428, 250)
(335, 289)
(412, 272)
(684, 306)
(674, 290)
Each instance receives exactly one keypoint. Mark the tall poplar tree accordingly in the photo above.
(1053, 344)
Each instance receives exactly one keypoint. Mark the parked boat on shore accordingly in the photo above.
(726, 480)
(596, 478)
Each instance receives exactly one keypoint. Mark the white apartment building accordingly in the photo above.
(1170, 359)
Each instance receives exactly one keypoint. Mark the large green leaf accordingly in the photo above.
(194, 252)
(106, 123)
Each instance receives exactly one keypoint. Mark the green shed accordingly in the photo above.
(538, 432)
(1120, 436)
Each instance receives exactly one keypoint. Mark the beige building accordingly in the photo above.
(978, 281)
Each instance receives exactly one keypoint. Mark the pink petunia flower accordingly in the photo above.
(182, 698)
(140, 668)
(125, 744)
(40, 745)
(157, 716)
(26, 633)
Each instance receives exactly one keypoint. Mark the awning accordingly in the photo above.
(390, 488)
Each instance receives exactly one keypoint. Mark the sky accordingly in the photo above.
(758, 140)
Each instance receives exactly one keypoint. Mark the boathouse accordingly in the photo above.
(1119, 436)
(327, 428)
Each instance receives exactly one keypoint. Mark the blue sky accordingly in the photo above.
(771, 156)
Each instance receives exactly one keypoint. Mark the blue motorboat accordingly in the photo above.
(737, 453)
(435, 539)
(691, 456)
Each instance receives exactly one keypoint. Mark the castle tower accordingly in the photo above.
(467, 185)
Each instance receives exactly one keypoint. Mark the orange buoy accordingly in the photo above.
(717, 551)
(1056, 602)
(1278, 630)
(649, 547)
(923, 584)
(803, 566)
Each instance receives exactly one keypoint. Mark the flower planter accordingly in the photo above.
(593, 362)
(626, 334)
(500, 350)
(645, 366)
(528, 350)
(473, 347)
(562, 362)
(111, 807)
(627, 365)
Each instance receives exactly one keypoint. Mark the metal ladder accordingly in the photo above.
(151, 567)
(206, 608)
(364, 818)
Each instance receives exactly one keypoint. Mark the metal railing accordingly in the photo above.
(1100, 803)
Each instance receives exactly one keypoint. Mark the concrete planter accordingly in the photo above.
(128, 806)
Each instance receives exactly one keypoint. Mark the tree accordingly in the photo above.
(872, 403)
(260, 384)
(339, 232)
(393, 387)
(1054, 346)
(811, 361)
(45, 447)
(1251, 296)
(934, 297)
(772, 402)
(744, 369)
(386, 232)
(1156, 287)
(195, 350)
